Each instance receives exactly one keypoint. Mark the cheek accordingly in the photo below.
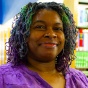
(32, 40)
(61, 38)
(35, 35)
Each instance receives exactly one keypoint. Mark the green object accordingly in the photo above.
(82, 59)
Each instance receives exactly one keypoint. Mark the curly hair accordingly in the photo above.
(18, 49)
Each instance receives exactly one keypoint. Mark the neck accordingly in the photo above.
(41, 66)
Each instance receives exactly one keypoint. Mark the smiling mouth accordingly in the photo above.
(49, 45)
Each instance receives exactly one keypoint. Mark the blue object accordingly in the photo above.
(9, 8)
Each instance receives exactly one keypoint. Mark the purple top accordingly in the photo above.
(22, 77)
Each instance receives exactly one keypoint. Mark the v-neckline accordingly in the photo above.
(37, 76)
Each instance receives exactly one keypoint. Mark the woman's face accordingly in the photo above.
(46, 38)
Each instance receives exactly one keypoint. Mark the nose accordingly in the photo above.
(50, 34)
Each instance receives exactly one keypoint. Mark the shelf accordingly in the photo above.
(84, 3)
(85, 72)
(82, 51)
(83, 69)
(78, 27)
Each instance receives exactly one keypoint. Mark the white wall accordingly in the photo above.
(59, 1)
(83, 1)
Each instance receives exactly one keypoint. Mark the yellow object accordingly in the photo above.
(4, 36)
(73, 6)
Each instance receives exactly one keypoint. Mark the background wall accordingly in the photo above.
(9, 8)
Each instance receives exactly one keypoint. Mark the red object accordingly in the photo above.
(81, 37)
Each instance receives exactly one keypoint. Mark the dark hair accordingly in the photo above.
(18, 49)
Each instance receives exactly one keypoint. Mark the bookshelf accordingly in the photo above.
(81, 61)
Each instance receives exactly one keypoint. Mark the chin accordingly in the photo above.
(47, 58)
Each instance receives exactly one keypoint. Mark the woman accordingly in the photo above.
(41, 49)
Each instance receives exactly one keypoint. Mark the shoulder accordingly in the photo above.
(6, 68)
(11, 76)
(6, 72)
(9, 69)
(77, 73)
(77, 78)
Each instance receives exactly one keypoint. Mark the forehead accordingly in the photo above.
(47, 14)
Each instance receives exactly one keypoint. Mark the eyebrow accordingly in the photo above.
(58, 23)
(40, 21)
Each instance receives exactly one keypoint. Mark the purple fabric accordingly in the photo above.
(22, 77)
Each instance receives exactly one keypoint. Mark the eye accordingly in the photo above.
(58, 29)
(40, 27)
